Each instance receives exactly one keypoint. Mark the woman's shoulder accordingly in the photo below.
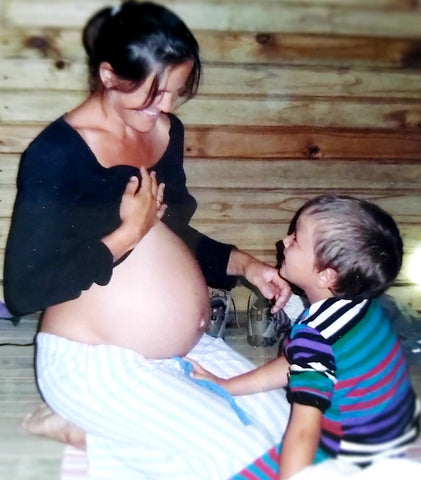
(55, 151)
(57, 135)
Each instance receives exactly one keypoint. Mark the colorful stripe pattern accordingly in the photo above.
(265, 467)
(346, 360)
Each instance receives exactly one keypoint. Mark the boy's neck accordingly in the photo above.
(317, 296)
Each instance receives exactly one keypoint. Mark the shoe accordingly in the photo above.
(264, 328)
(220, 302)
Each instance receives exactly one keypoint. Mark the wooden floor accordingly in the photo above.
(27, 457)
(22, 456)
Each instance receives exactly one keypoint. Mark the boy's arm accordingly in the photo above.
(270, 376)
(301, 440)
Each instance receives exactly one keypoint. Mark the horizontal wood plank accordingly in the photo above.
(280, 205)
(238, 81)
(285, 174)
(262, 236)
(298, 143)
(273, 205)
(263, 16)
(63, 45)
(319, 175)
(305, 111)
(15, 138)
(32, 107)
(361, 4)
(276, 142)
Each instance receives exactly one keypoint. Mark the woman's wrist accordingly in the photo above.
(238, 262)
(119, 242)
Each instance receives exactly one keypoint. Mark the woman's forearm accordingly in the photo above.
(238, 262)
(263, 276)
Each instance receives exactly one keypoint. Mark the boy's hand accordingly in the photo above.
(201, 373)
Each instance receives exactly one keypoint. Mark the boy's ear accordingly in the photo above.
(107, 75)
(327, 278)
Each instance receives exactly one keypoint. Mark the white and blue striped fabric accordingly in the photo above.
(148, 420)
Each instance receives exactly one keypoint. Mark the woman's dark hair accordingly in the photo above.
(137, 40)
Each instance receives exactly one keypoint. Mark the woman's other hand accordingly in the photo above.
(263, 276)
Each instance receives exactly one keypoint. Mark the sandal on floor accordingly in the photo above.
(264, 328)
(222, 310)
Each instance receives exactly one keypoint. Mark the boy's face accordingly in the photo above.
(298, 266)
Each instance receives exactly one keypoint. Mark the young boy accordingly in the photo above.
(345, 373)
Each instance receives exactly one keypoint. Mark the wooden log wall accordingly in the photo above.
(298, 99)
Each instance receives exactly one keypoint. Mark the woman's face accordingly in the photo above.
(130, 106)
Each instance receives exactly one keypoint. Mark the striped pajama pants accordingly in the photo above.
(148, 420)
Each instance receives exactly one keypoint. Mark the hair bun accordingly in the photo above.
(93, 27)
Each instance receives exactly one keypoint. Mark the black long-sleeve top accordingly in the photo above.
(67, 201)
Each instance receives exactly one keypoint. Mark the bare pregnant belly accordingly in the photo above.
(156, 302)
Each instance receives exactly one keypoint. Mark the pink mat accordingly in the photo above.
(74, 465)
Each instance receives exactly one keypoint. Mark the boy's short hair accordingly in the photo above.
(356, 238)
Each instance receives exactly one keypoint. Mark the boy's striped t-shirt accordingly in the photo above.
(346, 360)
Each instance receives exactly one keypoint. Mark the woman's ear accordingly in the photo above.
(327, 278)
(107, 75)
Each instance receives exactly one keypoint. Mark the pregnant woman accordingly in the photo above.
(100, 242)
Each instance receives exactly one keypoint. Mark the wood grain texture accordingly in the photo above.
(259, 142)
(232, 81)
(297, 98)
(36, 106)
(63, 44)
(311, 17)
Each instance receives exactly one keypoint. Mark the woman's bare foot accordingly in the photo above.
(47, 423)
